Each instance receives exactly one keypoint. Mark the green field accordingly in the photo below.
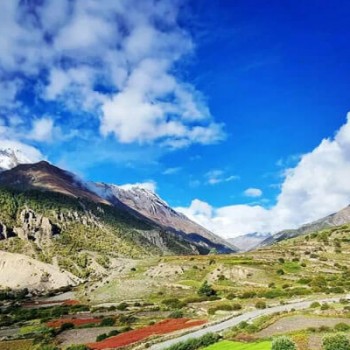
(232, 345)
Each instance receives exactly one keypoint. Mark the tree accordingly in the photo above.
(283, 343)
(336, 342)
(206, 290)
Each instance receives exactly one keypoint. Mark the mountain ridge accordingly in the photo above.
(336, 219)
(45, 177)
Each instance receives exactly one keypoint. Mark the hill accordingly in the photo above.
(340, 218)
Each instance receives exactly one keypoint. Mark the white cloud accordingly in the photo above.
(171, 171)
(42, 130)
(217, 176)
(317, 186)
(12, 151)
(131, 48)
(253, 192)
(148, 185)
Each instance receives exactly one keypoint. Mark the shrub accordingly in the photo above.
(315, 304)
(335, 342)
(236, 307)
(206, 290)
(77, 347)
(280, 272)
(324, 306)
(194, 344)
(260, 304)
(107, 322)
(113, 333)
(248, 295)
(342, 327)
(66, 326)
(283, 343)
(176, 314)
(122, 306)
(173, 303)
(101, 337)
(231, 296)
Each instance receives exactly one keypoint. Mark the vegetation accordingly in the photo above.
(336, 342)
(283, 343)
(196, 343)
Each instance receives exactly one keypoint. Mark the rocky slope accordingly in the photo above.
(47, 177)
(249, 241)
(150, 205)
(340, 218)
(18, 271)
(50, 215)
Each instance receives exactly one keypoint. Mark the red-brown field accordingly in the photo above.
(75, 321)
(163, 327)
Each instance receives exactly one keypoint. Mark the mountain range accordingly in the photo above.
(53, 216)
(249, 241)
(339, 218)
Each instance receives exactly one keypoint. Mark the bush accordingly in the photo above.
(248, 295)
(77, 347)
(280, 272)
(315, 304)
(194, 344)
(66, 326)
(122, 306)
(173, 303)
(206, 290)
(260, 304)
(324, 306)
(231, 296)
(342, 327)
(283, 343)
(101, 337)
(107, 322)
(176, 314)
(113, 333)
(335, 342)
(236, 307)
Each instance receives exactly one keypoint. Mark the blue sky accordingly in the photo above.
(216, 103)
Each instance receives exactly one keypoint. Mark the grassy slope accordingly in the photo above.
(116, 233)
(230, 345)
(299, 268)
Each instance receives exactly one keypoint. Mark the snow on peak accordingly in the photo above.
(13, 153)
(149, 186)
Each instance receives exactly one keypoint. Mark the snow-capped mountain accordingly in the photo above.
(150, 205)
(9, 158)
(142, 203)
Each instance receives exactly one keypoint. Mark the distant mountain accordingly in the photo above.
(52, 215)
(150, 205)
(340, 218)
(248, 241)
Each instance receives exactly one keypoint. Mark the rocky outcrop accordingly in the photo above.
(35, 226)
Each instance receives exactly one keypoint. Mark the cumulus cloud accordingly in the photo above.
(253, 192)
(119, 62)
(42, 130)
(317, 186)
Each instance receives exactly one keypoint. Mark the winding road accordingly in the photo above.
(234, 321)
